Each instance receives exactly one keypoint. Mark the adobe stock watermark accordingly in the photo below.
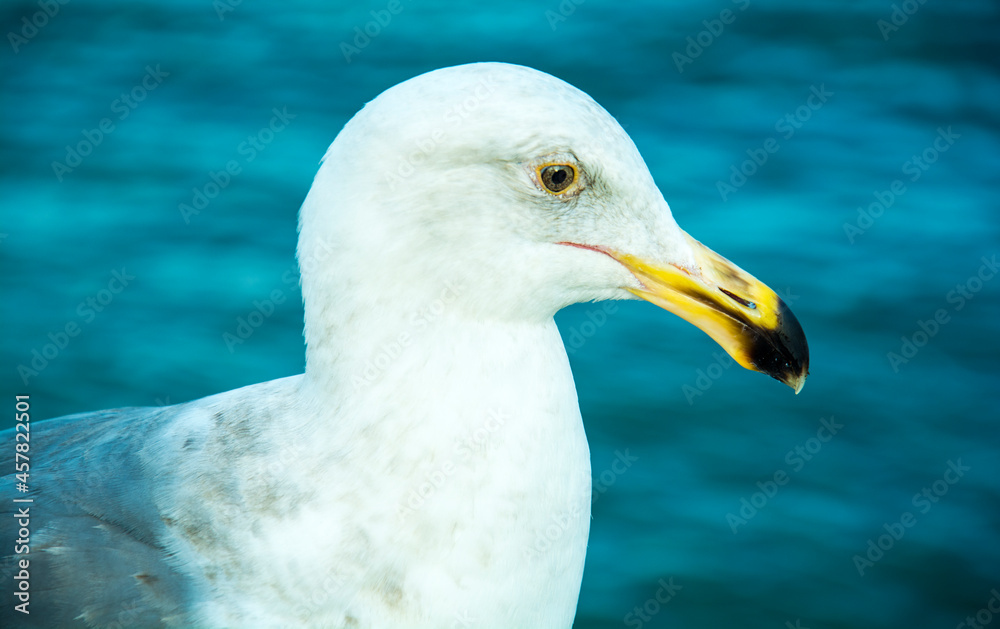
(418, 322)
(463, 620)
(122, 107)
(696, 44)
(561, 522)
(333, 584)
(913, 169)
(246, 326)
(87, 310)
(600, 484)
(32, 25)
(247, 150)
(557, 526)
(578, 335)
(899, 16)
(641, 614)
(464, 451)
(922, 501)
(363, 35)
(222, 7)
(565, 9)
(795, 459)
(985, 615)
(787, 126)
(958, 297)
(267, 471)
(453, 118)
(705, 378)
(263, 308)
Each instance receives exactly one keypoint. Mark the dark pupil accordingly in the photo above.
(557, 178)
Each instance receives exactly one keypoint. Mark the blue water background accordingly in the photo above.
(703, 433)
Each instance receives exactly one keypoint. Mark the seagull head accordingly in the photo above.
(523, 195)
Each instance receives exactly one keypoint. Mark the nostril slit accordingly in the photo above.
(740, 300)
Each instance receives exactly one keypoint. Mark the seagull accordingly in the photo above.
(430, 467)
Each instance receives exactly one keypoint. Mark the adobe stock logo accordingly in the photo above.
(796, 459)
(122, 107)
(922, 501)
(913, 168)
(577, 336)
(566, 9)
(899, 17)
(714, 28)
(87, 310)
(371, 29)
(32, 25)
(641, 614)
(248, 149)
(787, 126)
(959, 296)
(985, 614)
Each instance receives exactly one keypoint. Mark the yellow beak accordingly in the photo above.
(739, 312)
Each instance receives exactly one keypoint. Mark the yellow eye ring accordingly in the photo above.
(556, 178)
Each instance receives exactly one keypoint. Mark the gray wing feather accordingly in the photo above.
(96, 558)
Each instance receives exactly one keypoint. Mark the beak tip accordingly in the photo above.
(751, 322)
(797, 383)
(782, 351)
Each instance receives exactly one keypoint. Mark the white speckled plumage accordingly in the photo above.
(429, 468)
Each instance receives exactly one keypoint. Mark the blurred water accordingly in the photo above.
(703, 433)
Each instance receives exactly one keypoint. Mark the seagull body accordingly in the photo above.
(430, 467)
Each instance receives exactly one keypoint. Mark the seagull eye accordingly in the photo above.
(557, 177)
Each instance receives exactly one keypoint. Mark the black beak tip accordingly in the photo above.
(783, 352)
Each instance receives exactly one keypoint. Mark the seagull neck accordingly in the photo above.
(434, 368)
(465, 441)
